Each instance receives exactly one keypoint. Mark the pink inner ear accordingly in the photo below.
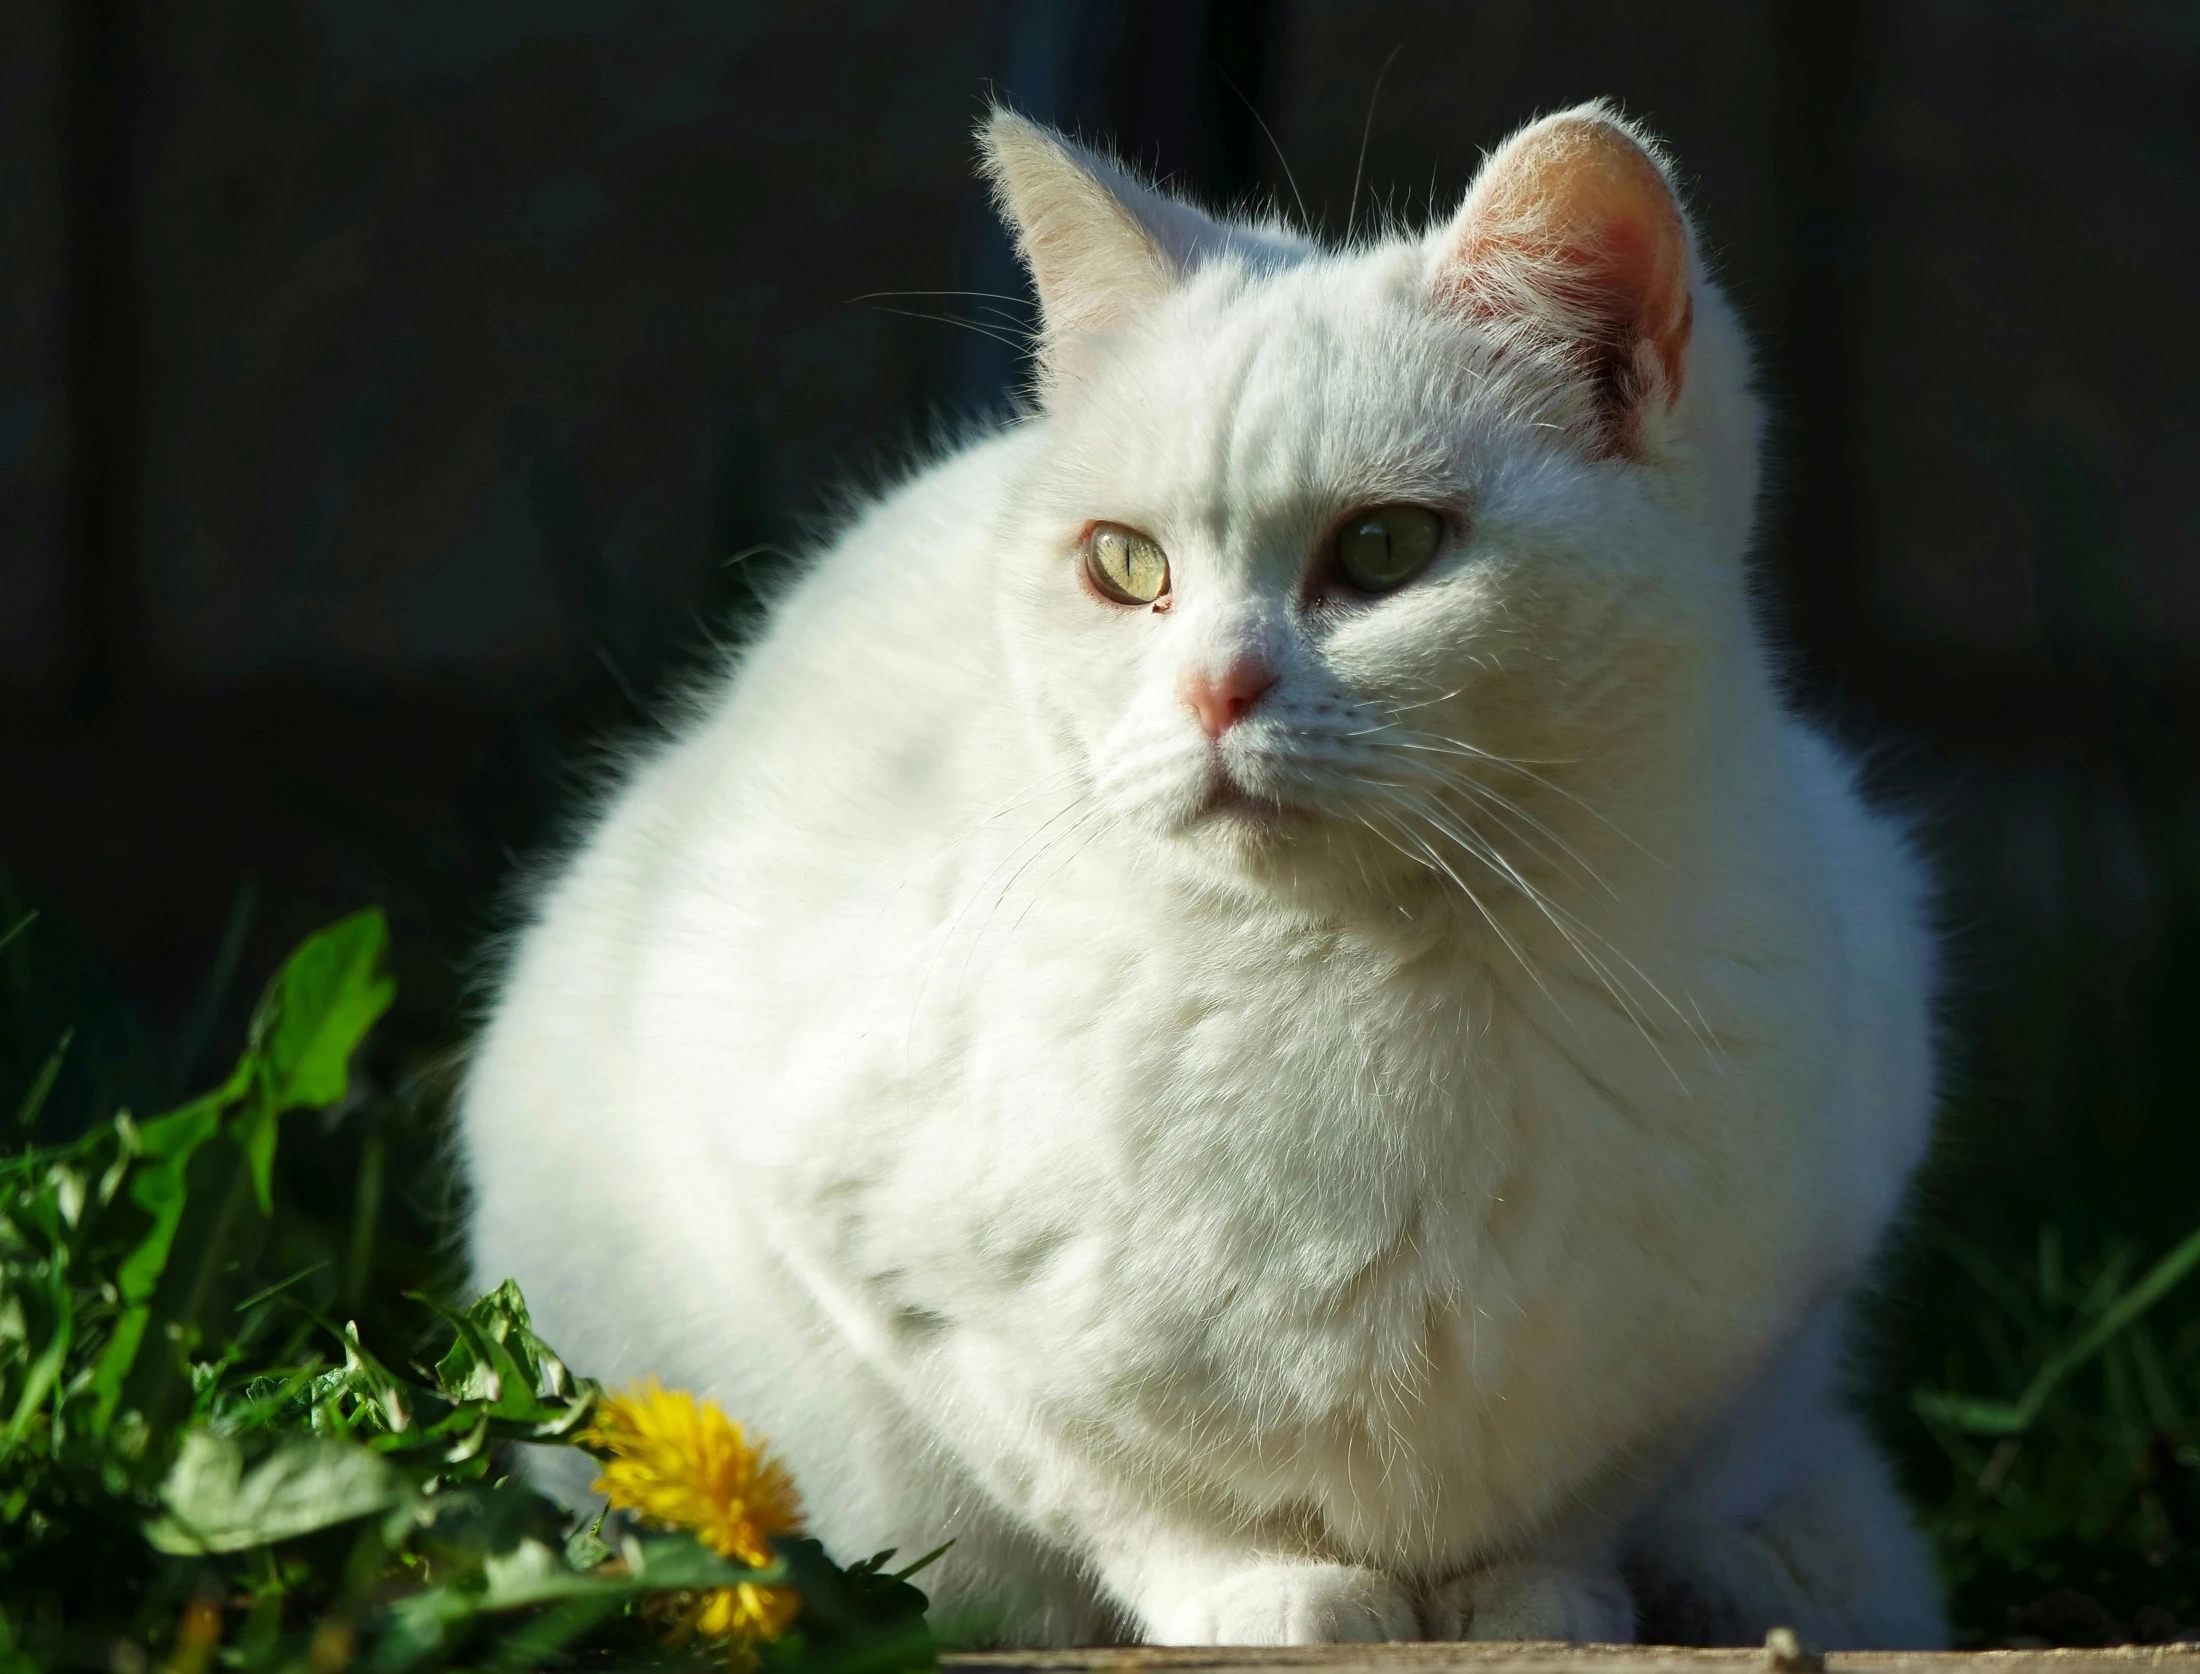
(1642, 259)
(1574, 232)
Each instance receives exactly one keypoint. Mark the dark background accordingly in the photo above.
(395, 396)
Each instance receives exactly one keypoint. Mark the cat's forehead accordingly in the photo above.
(1326, 381)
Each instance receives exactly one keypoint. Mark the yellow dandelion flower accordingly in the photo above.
(683, 1464)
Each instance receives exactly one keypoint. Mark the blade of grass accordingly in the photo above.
(1986, 1273)
(2123, 1312)
(279, 1286)
(2154, 1384)
(221, 979)
(2003, 1418)
(7, 936)
(2108, 1283)
(34, 1098)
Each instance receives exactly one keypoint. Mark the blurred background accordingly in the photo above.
(395, 399)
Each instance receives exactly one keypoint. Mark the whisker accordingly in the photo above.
(1566, 923)
(1430, 857)
(1691, 1018)
(1439, 744)
(1021, 303)
(1083, 828)
(1352, 209)
(1508, 810)
(1415, 740)
(1396, 709)
(1085, 817)
(1306, 222)
(1018, 343)
(953, 927)
(1504, 805)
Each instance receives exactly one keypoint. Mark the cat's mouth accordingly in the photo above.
(1228, 800)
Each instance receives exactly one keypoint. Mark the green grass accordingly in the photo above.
(2051, 1438)
(232, 1430)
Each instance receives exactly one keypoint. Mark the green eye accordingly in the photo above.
(1125, 565)
(1386, 546)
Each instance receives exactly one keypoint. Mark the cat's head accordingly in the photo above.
(1411, 560)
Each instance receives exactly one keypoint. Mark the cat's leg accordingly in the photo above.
(1584, 1602)
(1835, 1556)
(1186, 1588)
(1790, 1519)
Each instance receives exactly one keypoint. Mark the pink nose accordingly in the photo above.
(1221, 702)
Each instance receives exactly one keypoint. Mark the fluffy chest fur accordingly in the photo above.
(1364, 1222)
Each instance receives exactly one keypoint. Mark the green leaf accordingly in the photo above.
(369, 1379)
(479, 1368)
(158, 1186)
(531, 1575)
(855, 1620)
(219, 1501)
(255, 1136)
(585, 1548)
(46, 1370)
(536, 1642)
(497, 1359)
(319, 1007)
(308, 1024)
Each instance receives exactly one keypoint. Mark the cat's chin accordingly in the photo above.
(1245, 823)
(1313, 856)
(1228, 805)
(1260, 840)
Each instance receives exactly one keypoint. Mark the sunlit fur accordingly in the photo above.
(1413, 1191)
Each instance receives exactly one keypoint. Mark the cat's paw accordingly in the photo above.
(1533, 1601)
(1290, 1604)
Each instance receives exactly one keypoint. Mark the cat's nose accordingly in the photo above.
(1221, 701)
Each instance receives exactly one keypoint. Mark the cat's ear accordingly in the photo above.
(1572, 233)
(1101, 246)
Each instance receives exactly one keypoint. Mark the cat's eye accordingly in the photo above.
(1124, 565)
(1386, 546)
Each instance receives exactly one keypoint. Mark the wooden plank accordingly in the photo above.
(1552, 1659)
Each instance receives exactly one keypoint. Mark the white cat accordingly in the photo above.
(1249, 1004)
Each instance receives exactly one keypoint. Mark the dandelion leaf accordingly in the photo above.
(323, 1001)
(217, 1499)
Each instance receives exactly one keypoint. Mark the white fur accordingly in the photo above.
(1427, 1217)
